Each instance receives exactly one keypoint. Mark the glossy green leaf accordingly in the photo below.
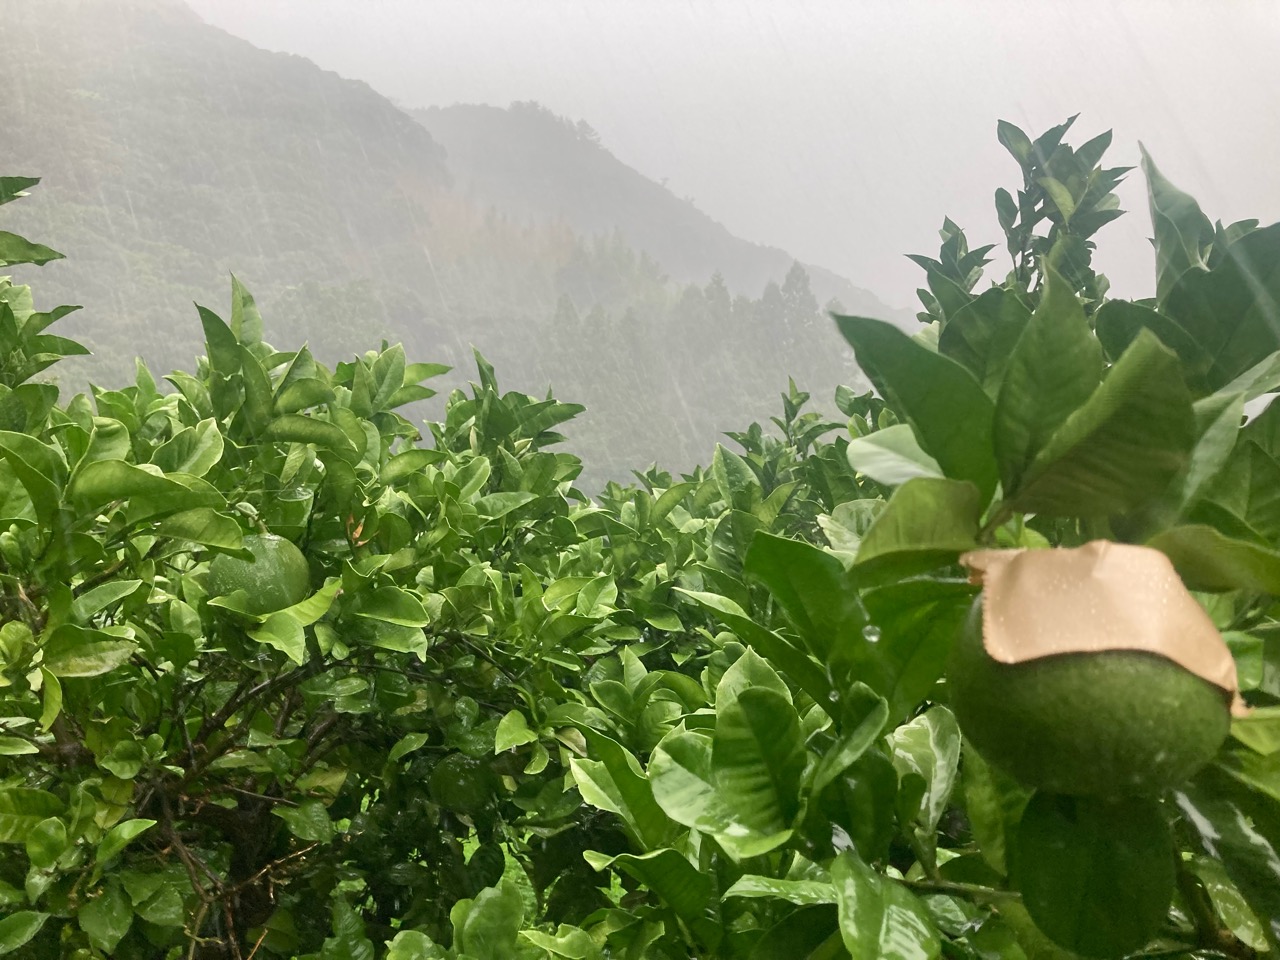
(948, 410)
(1097, 876)
(800, 892)
(16, 249)
(929, 746)
(681, 774)
(392, 605)
(1124, 445)
(793, 662)
(631, 790)
(758, 758)
(1232, 309)
(1181, 231)
(812, 586)
(309, 821)
(891, 456)
(18, 929)
(982, 335)
(679, 883)
(1240, 829)
(106, 918)
(749, 671)
(203, 525)
(927, 523)
(739, 486)
(46, 842)
(1051, 373)
(414, 945)
(492, 923)
(119, 837)
(879, 918)
(1209, 560)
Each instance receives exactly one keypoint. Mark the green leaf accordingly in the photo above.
(105, 595)
(879, 918)
(407, 744)
(297, 428)
(802, 893)
(16, 249)
(492, 923)
(513, 731)
(758, 758)
(749, 671)
(792, 661)
(51, 699)
(679, 883)
(1061, 197)
(929, 746)
(812, 587)
(498, 505)
(14, 188)
(1097, 876)
(301, 394)
(104, 481)
(46, 842)
(1118, 322)
(1233, 310)
(994, 803)
(246, 322)
(17, 929)
(738, 484)
(220, 343)
(205, 526)
(1239, 828)
(309, 821)
(1054, 368)
(680, 772)
(851, 746)
(633, 792)
(40, 468)
(927, 523)
(119, 837)
(913, 625)
(1182, 232)
(1230, 903)
(17, 747)
(107, 918)
(1122, 447)
(284, 633)
(891, 456)
(392, 605)
(414, 945)
(72, 651)
(404, 465)
(1209, 560)
(946, 407)
(982, 335)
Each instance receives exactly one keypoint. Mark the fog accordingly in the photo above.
(842, 132)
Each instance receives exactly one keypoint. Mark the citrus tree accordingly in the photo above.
(284, 677)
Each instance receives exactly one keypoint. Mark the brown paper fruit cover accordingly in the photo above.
(1091, 670)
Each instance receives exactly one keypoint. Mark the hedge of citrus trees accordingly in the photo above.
(694, 716)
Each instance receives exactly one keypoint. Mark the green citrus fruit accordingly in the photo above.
(1111, 723)
(276, 577)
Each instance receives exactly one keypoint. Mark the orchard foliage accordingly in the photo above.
(692, 716)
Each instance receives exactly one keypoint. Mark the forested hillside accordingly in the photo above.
(174, 154)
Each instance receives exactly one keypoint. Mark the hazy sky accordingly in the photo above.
(842, 131)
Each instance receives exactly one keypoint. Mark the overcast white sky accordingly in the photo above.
(842, 131)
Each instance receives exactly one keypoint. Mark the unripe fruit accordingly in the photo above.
(1104, 723)
(276, 578)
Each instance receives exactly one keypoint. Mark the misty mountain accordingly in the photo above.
(173, 154)
(529, 163)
